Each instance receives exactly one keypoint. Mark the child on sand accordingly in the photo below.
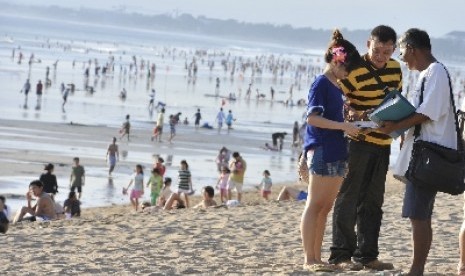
(155, 182)
(265, 185)
(72, 206)
(138, 190)
(222, 183)
(184, 181)
(165, 192)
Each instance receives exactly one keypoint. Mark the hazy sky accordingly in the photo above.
(437, 17)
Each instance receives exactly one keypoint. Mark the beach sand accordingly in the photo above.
(258, 238)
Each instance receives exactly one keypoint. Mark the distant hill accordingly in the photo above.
(450, 47)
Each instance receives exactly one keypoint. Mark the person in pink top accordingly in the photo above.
(222, 183)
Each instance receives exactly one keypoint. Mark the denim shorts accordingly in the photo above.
(418, 202)
(317, 166)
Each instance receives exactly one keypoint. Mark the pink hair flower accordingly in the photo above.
(339, 54)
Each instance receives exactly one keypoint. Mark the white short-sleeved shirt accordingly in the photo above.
(138, 179)
(437, 106)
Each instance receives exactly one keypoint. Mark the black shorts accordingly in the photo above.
(79, 188)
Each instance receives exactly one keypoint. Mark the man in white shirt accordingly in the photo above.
(436, 117)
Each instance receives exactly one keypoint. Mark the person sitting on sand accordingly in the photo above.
(174, 202)
(72, 206)
(43, 210)
(208, 195)
(6, 209)
(165, 192)
(288, 193)
(4, 222)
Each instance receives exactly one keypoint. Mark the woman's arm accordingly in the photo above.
(321, 122)
(130, 183)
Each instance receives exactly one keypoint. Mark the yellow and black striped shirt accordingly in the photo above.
(364, 92)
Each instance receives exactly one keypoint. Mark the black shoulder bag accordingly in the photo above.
(436, 167)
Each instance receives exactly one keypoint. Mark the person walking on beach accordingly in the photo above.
(266, 184)
(65, 94)
(184, 182)
(152, 100)
(217, 86)
(158, 131)
(197, 117)
(220, 119)
(26, 89)
(222, 159)
(39, 88)
(112, 156)
(125, 129)
(138, 190)
(155, 183)
(172, 122)
(237, 166)
(434, 121)
(72, 206)
(326, 147)
(229, 120)
(49, 180)
(77, 178)
(361, 196)
(296, 135)
(222, 184)
(159, 165)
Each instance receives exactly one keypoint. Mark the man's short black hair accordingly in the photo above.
(210, 191)
(416, 38)
(383, 33)
(36, 183)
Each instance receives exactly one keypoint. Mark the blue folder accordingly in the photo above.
(394, 107)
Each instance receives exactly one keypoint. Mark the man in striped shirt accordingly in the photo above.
(361, 196)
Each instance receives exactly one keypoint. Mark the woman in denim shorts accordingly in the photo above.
(326, 147)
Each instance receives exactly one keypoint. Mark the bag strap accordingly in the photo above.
(417, 130)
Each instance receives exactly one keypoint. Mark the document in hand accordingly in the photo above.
(394, 107)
